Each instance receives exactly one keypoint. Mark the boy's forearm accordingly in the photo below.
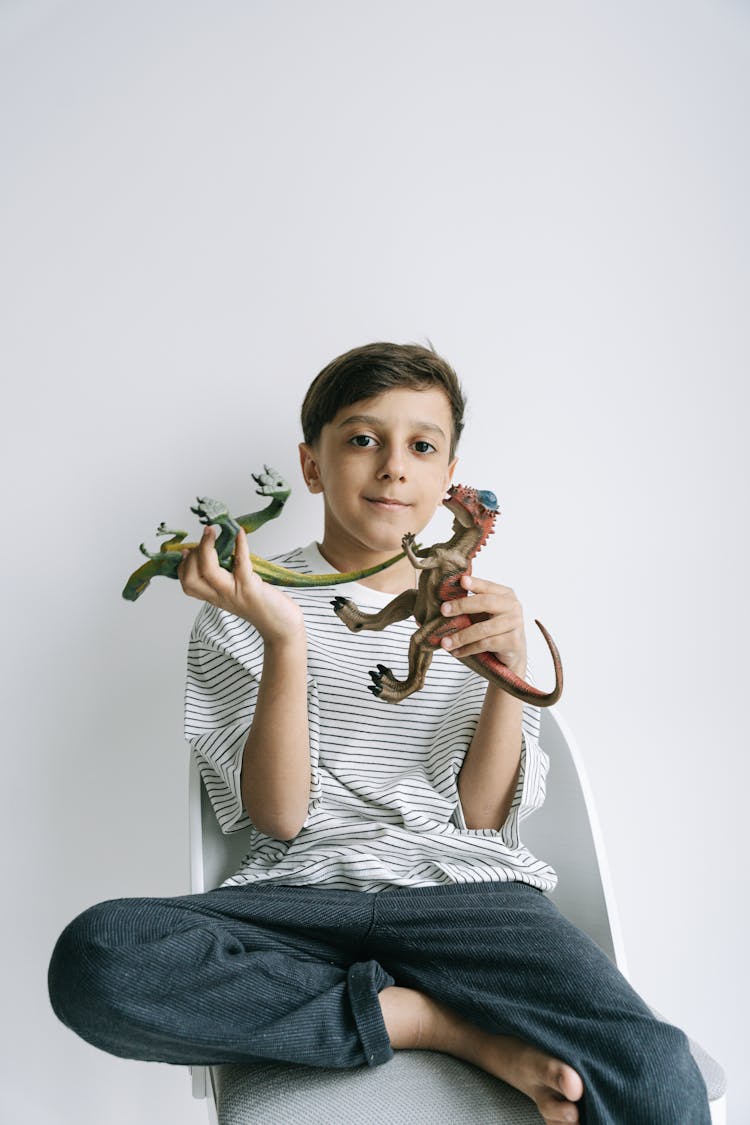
(489, 774)
(275, 780)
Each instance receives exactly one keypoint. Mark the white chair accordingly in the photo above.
(424, 1087)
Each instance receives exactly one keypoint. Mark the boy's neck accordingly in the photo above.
(400, 576)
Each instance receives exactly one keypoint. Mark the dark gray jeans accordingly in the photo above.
(293, 973)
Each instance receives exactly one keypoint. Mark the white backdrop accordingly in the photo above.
(202, 204)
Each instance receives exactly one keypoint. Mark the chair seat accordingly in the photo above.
(413, 1088)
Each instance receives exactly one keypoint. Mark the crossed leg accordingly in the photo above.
(489, 973)
(494, 974)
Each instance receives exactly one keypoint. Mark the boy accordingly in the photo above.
(387, 901)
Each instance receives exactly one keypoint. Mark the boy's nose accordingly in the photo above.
(392, 465)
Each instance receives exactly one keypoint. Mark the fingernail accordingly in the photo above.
(447, 642)
(447, 608)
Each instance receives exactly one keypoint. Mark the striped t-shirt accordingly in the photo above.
(384, 808)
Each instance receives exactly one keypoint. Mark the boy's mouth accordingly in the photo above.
(387, 502)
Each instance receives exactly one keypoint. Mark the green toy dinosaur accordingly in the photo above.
(166, 561)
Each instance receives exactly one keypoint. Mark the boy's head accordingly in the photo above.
(368, 371)
(381, 424)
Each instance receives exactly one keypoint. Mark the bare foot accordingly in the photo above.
(415, 1021)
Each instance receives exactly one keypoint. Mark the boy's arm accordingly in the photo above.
(275, 779)
(489, 774)
(488, 778)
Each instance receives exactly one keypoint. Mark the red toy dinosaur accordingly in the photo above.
(441, 568)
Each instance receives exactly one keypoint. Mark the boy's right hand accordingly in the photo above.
(240, 591)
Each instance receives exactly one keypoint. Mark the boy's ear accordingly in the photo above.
(450, 471)
(309, 467)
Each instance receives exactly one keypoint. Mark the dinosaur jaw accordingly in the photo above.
(458, 511)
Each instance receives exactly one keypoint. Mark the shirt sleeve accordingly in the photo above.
(530, 786)
(225, 665)
(532, 775)
(225, 662)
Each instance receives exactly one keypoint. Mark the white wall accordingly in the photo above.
(202, 204)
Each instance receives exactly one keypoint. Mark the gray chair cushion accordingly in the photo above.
(713, 1075)
(414, 1088)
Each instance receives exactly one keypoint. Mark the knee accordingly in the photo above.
(666, 1084)
(80, 976)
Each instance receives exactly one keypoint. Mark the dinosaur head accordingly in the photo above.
(472, 508)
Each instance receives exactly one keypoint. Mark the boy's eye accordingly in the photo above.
(362, 440)
(424, 447)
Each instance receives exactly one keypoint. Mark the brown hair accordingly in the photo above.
(368, 371)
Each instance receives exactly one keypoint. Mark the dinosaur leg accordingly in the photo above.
(215, 512)
(177, 536)
(487, 665)
(385, 685)
(399, 609)
(270, 483)
(173, 544)
(226, 540)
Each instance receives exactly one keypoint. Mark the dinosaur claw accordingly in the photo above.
(383, 670)
(375, 690)
(270, 482)
(338, 603)
(375, 677)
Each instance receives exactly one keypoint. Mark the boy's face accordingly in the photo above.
(383, 465)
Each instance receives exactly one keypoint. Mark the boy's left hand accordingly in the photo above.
(497, 626)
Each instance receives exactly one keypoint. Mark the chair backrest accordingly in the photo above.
(565, 832)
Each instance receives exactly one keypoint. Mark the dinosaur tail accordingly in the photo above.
(167, 562)
(280, 576)
(487, 665)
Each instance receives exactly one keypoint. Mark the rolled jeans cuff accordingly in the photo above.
(365, 979)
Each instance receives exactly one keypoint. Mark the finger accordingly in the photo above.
(510, 659)
(207, 559)
(204, 575)
(483, 585)
(507, 653)
(190, 578)
(481, 603)
(242, 567)
(207, 541)
(242, 563)
(487, 633)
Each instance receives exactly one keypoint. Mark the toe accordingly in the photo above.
(556, 1112)
(566, 1081)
